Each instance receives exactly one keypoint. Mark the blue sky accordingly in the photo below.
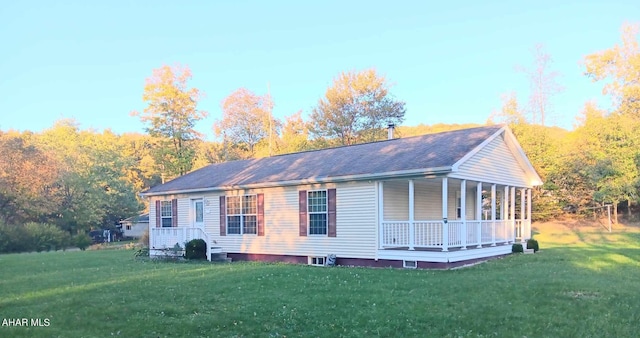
(450, 62)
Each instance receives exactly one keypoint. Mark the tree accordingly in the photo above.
(246, 119)
(542, 84)
(356, 108)
(603, 157)
(171, 116)
(621, 65)
(295, 135)
(509, 113)
(28, 178)
(93, 189)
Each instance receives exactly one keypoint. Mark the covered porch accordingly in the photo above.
(444, 214)
(171, 241)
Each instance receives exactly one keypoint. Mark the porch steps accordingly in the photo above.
(220, 257)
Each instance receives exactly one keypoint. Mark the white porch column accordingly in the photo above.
(529, 218)
(523, 211)
(412, 230)
(505, 214)
(479, 214)
(505, 204)
(493, 215)
(445, 213)
(463, 212)
(512, 214)
(380, 214)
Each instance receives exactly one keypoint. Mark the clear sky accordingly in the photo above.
(449, 61)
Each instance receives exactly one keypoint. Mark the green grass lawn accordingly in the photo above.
(584, 282)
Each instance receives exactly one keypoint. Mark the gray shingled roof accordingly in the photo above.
(142, 218)
(427, 152)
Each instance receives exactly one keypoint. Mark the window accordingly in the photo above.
(409, 264)
(317, 209)
(198, 211)
(242, 215)
(317, 261)
(128, 227)
(166, 214)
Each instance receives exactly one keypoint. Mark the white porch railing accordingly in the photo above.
(454, 234)
(167, 238)
(522, 229)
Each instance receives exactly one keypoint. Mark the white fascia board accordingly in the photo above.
(311, 180)
(522, 158)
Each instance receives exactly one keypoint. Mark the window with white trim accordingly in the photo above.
(317, 211)
(242, 215)
(317, 260)
(166, 214)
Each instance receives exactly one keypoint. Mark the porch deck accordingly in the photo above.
(454, 241)
(162, 241)
(447, 235)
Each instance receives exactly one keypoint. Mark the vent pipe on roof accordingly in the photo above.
(390, 129)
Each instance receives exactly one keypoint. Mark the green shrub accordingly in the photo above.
(32, 237)
(516, 248)
(82, 241)
(142, 252)
(13, 239)
(46, 237)
(533, 244)
(196, 249)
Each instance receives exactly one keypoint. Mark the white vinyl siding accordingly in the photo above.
(184, 212)
(212, 215)
(355, 217)
(427, 199)
(495, 163)
(396, 200)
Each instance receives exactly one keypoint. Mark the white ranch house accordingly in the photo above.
(134, 227)
(437, 200)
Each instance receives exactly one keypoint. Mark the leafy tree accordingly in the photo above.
(93, 187)
(295, 135)
(171, 116)
(141, 171)
(621, 65)
(246, 120)
(421, 129)
(28, 179)
(603, 154)
(356, 108)
(510, 113)
(543, 85)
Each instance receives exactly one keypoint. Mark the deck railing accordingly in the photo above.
(167, 238)
(522, 229)
(436, 234)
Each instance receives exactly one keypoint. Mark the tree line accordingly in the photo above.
(77, 179)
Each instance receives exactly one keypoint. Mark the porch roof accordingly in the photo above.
(426, 154)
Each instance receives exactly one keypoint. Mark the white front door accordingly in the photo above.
(197, 207)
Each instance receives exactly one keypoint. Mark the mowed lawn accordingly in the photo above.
(584, 282)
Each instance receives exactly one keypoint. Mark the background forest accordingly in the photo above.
(63, 181)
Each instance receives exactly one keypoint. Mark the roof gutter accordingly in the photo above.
(338, 179)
